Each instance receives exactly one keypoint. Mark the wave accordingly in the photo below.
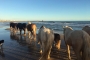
(57, 25)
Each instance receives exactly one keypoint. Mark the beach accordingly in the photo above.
(18, 47)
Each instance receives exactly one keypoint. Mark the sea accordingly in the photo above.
(56, 26)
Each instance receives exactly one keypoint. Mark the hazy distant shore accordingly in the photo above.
(19, 21)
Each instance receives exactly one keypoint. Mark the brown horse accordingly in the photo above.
(32, 28)
(80, 42)
(1, 43)
(87, 29)
(57, 40)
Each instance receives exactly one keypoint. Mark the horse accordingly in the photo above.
(1, 43)
(87, 29)
(46, 39)
(57, 40)
(13, 26)
(80, 42)
(32, 29)
(22, 26)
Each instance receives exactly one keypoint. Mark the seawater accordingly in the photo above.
(57, 26)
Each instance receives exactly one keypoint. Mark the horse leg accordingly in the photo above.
(31, 35)
(34, 35)
(77, 52)
(43, 47)
(68, 50)
(45, 51)
(10, 28)
(14, 31)
(49, 52)
(40, 49)
(28, 34)
(20, 31)
(17, 30)
(57, 44)
(24, 32)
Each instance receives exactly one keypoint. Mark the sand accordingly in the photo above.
(22, 48)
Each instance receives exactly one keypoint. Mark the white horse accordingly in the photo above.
(80, 42)
(46, 38)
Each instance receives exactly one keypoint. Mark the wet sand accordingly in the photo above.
(17, 47)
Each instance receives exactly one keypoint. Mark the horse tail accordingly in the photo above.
(50, 40)
(86, 46)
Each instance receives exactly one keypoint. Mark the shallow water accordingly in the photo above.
(17, 47)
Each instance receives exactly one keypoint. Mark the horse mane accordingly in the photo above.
(68, 27)
(42, 27)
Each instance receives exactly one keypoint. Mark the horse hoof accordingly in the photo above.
(69, 58)
(24, 34)
(34, 39)
(41, 51)
(49, 57)
(38, 42)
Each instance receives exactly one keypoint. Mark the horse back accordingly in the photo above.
(13, 25)
(24, 25)
(47, 35)
(19, 25)
(30, 27)
(75, 37)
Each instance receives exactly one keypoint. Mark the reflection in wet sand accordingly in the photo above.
(33, 49)
(14, 36)
(19, 47)
(1, 52)
(31, 45)
(22, 40)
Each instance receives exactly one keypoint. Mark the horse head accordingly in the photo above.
(1, 41)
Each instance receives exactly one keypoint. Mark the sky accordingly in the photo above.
(48, 10)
